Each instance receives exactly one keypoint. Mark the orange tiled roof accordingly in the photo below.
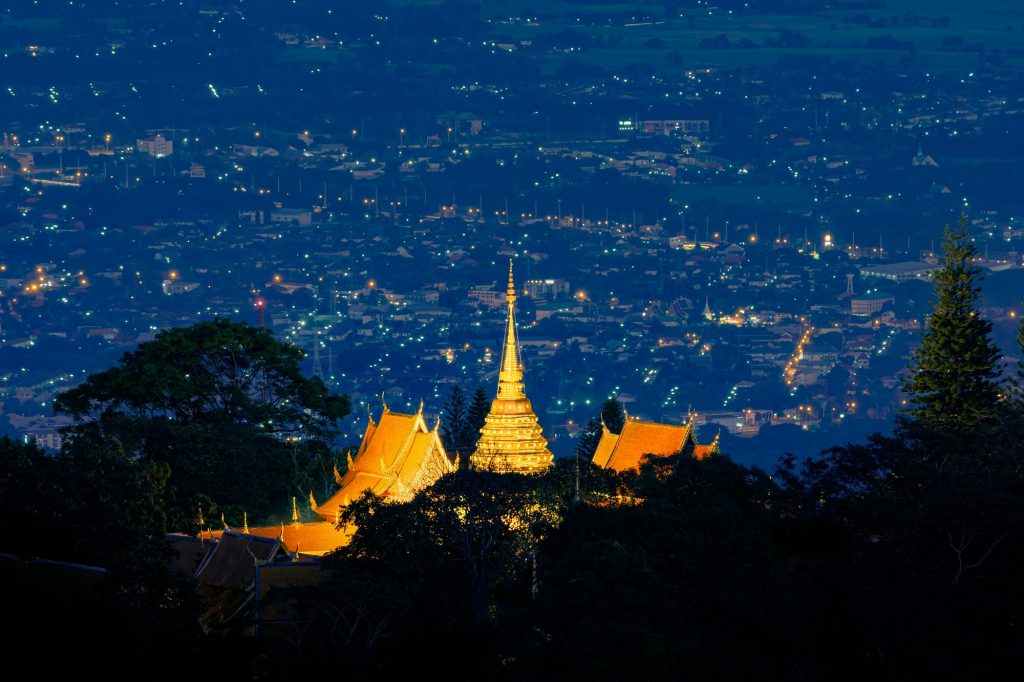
(705, 451)
(639, 438)
(605, 447)
(314, 539)
(397, 456)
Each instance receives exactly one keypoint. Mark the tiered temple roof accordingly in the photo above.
(398, 456)
(626, 450)
(511, 439)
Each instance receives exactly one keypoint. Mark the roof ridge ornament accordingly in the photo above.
(384, 403)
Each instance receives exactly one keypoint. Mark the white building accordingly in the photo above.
(157, 145)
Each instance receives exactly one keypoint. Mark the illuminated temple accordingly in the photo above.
(626, 450)
(398, 456)
(511, 439)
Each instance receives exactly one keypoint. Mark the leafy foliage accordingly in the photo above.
(96, 507)
(223, 405)
(455, 566)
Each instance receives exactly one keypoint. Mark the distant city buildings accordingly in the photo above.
(157, 146)
(898, 272)
(866, 305)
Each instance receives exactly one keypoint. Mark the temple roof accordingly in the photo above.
(228, 573)
(398, 455)
(705, 451)
(638, 438)
(190, 551)
(309, 539)
(231, 562)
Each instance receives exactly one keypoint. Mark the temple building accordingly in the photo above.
(626, 450)
(398, 456)
(511, 439)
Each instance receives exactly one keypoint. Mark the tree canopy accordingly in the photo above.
(224, 405)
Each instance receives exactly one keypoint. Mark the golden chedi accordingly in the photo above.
(511, 440)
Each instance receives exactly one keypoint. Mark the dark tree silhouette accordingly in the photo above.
(614, 415)
(453, 423)
(589, 437)
(954, 385)
(223, 404)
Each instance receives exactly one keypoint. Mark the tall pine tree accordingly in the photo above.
(477, 415)
(590, 436)
(954, 386)
(1016, 384)
(453, 424)
(614, 415)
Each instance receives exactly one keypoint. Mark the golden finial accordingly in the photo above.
(223, 522)
(337, 474)
(511, 291)
(295, 510)
(282, 532)
(200, 519)
(437, 424)
(312, 501)
(245, 522)
(384, 402)
(420, 410)
(348, 461)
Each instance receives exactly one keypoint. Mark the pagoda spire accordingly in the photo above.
(511, 439)
(510, 377)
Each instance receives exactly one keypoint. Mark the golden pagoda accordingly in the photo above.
(511, 440)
